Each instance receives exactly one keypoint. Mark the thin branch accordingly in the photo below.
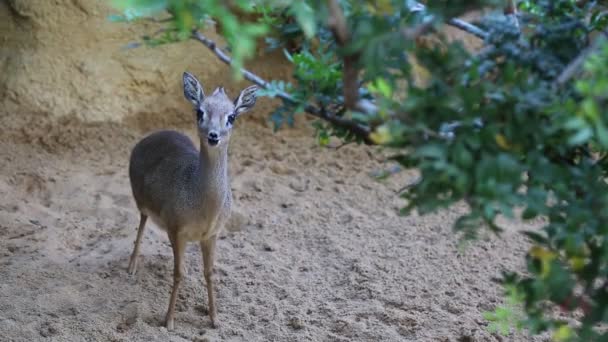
(411, 184)
(211, 45)
(468, 27)
(160, 21)
(424, 28)
(457, 23)
(353, 127)
(335, 148)
(412, 33)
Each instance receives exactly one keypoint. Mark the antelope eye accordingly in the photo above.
(199, 115)
(231, 119)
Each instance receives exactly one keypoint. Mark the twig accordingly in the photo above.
(417, 31)
(409, 185)
(353, 127)
(335, 148)
(458, 23)
(468, 27)
(158, 20)
(211, 45)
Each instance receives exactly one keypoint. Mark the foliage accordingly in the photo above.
(519, 125)
(508, 315)
(186, 15)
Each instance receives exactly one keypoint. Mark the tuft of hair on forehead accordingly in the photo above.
(218, 104)
(219, 90)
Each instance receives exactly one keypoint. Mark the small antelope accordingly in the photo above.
(186, 191)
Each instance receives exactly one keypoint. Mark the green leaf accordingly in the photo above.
(602, 133)
(581, 137)
(529, 213)
(305, 17)
(430, 151)
(380, 86)
(323, 138)
(116, 18)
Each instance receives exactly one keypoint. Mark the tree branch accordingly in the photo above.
(510, 11)
(356, 129)
(337, 23)
(350, 74)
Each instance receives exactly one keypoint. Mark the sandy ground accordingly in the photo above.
(317, 252)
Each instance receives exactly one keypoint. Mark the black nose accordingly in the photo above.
(213, 136)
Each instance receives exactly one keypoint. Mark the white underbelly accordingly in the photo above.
(197, 232)
(191, 232)
(156, 219)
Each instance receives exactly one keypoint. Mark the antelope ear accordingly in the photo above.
(193, 91)
(246, 100)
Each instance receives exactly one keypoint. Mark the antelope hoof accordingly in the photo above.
(169, 323)
(132, 266)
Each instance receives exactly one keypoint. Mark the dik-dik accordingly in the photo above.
(186, 191)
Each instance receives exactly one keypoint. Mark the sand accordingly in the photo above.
(316, 251)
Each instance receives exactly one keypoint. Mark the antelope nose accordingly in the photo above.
(213, 136)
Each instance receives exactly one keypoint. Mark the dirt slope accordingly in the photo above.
(65, 58)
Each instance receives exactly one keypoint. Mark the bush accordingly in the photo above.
(517, 129)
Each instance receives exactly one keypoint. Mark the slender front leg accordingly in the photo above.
(208, 251)
(135, 255)
(178, 244)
